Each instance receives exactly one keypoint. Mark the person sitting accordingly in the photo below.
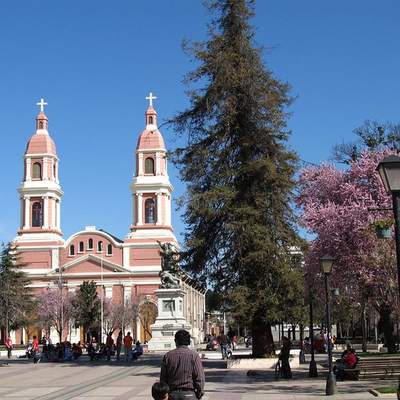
(76, 351)
(348, 361)
(160, 391)
(137, 351)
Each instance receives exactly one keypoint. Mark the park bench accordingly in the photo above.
(374, 367)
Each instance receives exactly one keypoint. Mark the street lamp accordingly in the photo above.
(389, 170)
(326, 266)
(312, 372)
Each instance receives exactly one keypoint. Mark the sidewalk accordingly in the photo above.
(86, 380)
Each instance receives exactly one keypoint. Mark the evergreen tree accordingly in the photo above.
(86, 306)
(16, 301)
(239, 172)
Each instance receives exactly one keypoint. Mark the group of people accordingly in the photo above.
(132, 349)
(65, 351)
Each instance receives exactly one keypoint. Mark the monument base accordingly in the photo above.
(169, 320)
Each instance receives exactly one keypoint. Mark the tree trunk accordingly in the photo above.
(387, 326)
(263, 342)
(301, 332)
(364, 333)
(294, 332)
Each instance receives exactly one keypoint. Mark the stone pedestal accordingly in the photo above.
(170, 319)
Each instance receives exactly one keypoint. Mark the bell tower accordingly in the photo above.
(151, 188)
(40, 191)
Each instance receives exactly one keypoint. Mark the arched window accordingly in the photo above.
(149, 166)
(150, 211)
(81, 247)
(37, 171)
(90, 244)
(151, 120)
(109, 249)
(54, 171)
(37, 214)
(72, 250)
(100, 246)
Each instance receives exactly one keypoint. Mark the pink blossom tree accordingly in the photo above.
(118, 315)
(339, 208)
(55, 310)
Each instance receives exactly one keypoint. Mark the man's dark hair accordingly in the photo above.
(159, 390)
(182, 338)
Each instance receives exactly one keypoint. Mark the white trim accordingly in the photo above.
(116, 282)
(92, 232)
(98, 259)
(153, 150)
(38, 155)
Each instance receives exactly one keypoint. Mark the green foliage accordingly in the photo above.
(16, 300)
(239, 173)
(372, 136)
(86, 306)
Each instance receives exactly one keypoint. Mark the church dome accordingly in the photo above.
(41, 144)
(150, 139)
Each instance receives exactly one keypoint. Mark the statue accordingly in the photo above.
(169, 267)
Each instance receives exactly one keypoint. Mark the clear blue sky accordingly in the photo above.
(94, 61)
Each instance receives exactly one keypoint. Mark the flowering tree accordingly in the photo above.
(118, 315)
(55, 309)
(340, 208)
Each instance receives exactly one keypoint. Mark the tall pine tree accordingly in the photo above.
(239, 172)
(16, 300)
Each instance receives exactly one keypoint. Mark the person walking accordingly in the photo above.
(128, 346)
(284, 357)
(119, 344)
(35, 350)
(223, 342)
(182, 371)
(109, 346)
(9, 346)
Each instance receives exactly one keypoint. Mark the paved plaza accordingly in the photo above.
(85, 380)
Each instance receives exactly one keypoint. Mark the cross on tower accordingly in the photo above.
(42, 103)
(150, 97)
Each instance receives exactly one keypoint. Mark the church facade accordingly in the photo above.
(125, 270)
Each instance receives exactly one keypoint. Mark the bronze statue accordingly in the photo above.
(169, 266)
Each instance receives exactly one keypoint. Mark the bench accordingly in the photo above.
(374, 367)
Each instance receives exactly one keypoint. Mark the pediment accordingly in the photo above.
(90, 263)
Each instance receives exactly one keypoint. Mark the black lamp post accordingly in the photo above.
(389, 170)
(326, 266)
(312, 371)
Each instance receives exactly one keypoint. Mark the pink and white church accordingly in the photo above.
(124, 269)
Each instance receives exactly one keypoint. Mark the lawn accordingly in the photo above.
(387, 389)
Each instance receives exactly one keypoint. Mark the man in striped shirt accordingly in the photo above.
(182, 371)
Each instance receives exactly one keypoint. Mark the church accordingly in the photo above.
(124, 269)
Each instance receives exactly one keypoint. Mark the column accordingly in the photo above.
(58, 208)
(21, 206)
(158, 172)
(54, 213)
(134, 216)
(108, 291)
(28, 167)
(27, 212)
(45, 169)
(166, 165)
(139, 200)
(140, 164)
(168, 210)
(45, 212)
(56, 170)
(127, 293)
(159, 208)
